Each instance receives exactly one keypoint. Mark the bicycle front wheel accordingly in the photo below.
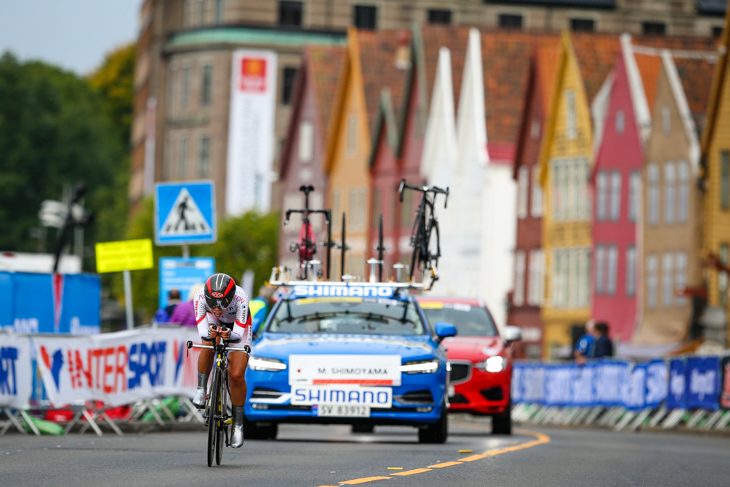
(214, 415)
(434, 246)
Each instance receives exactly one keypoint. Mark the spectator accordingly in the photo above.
(602, 347)
(184, 314)
(584, 348)
(163, 315)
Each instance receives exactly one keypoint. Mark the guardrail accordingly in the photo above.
(681, 392)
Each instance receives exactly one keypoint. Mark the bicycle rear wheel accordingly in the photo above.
(434, 245)
(419, 244)
(213, 415)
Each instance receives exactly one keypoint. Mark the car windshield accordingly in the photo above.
(345, 315)
(469, 320)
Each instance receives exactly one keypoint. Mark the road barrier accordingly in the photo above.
(94, 377)
(681, 392)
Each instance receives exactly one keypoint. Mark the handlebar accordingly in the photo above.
(225, 346)
(423, 189)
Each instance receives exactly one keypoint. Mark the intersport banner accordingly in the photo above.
(118, 368)
(16, 373)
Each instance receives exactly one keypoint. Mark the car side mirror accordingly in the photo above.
(444, 330)
(512, 334)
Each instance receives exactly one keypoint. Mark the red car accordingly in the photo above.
(481, 360)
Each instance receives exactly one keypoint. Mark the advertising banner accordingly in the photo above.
(251, 131)
(607, 382)
(16, 372)
(656, 383)
(50, 303)
(725, 389)
(677, 392)
(703, 382)
(558, 384)
(117, 368)
(634, 387)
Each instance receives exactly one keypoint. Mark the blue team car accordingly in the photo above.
(362, 354)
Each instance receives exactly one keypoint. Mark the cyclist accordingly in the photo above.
(221, 309)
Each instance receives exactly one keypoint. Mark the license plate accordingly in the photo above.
(344, 410)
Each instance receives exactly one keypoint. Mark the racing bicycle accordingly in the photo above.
(217, 416)
(306, 246)
(425, 233)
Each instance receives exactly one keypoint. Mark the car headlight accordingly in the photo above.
(265, 364)
(420, 367)
(492, 364)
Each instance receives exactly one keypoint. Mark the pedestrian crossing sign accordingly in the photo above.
(185, 213)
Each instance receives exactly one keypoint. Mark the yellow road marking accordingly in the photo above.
(363, 480)
(414, 471)
(395, 468)
(464, 451)
(445, 464)
(540, 439)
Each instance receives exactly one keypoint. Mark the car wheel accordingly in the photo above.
(502, 422)
(437, 432)
(363, 428)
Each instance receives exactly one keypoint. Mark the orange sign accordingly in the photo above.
(253, 74)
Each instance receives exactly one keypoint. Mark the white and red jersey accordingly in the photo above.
(236, 316)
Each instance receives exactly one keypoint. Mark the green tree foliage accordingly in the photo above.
(54, 132)
(246, 242)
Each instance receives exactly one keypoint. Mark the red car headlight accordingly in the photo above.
(493, 364)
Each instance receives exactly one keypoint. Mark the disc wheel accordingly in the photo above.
(214, 416)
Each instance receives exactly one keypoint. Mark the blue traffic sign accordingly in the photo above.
(185, 213)
(184, 275)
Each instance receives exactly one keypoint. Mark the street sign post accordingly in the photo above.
(125, 256)
(185, 213)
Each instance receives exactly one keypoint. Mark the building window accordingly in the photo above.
(653, 28)
(536, 281)
(206, 92)
(600, 270)
(666, 121)
(204, 157)
(683, 192)
(287, 85)
(306, 141)
(631, 271)
(201, 12)
(634, 195)
(357, 208)
(615, 195)
(722, 277)
(290, 13)
(182, 156)
(351, 135)
(725, 180)
(583, 295)
(172, 87)
(535, 129)
(669, 190)
(220, 11)
(188, 13)
(717, 31)
(365, 17)
(536, 195)
(560, 279)
(510, 21)
(680, 279)
(570, 131)
(439, 16)
(185, 87)
(601, 183)
(612, 270)
(651, 281)
(582, 25)
(518, 297)
(523, 182)
(620, 122)
(653, 176)
(570, 189)
(667, 277)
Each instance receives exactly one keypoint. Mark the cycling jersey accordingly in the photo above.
(236, 317)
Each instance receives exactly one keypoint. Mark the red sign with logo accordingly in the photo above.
(253, 74)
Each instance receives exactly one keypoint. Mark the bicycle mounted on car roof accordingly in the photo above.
(306, 244)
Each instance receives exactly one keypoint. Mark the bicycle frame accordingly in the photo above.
(306, 245)
(423, 228)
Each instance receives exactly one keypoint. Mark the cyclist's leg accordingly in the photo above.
(237, 362)
(205, 364)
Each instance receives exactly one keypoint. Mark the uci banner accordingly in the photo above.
(118, 368)
(16, 373)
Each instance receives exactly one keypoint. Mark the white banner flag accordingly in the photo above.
(16, 374)
(251, 131)
(118, 368)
